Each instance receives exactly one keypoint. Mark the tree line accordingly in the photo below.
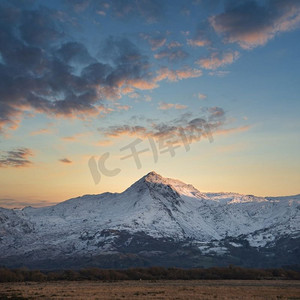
(152, 273)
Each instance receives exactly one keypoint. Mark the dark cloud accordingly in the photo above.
(74, 52)
(130, 65)
(31, 75)
(42, 69)
(37, 27)
(15, 158)
(252, 23)
(96, 73)
(65, 161)
(122, 51)
(41, 72)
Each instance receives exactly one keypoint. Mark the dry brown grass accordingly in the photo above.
(197, 289)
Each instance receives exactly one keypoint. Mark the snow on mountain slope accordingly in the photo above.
(159, 207)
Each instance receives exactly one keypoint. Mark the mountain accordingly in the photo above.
(156, 221)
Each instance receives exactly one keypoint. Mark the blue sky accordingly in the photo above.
(83, 78)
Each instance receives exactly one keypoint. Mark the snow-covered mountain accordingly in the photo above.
(156, 221)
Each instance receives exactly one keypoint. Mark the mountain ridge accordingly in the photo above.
(156, 220)
(165, 180)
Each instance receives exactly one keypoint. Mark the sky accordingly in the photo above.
(94, 94)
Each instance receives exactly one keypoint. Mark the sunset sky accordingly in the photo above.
(80, 79)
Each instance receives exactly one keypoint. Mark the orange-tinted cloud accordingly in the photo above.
(104, 143)
(165, 106)
(122, 107)
(232, 130)
(197, 42)
(127, 89)
(216, 60)
(175, 75)
(42, 131)
(76, 137)
(143, 84)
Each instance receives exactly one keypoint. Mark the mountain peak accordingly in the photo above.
(158, 183)
(155, 180)
(153, 177)
(150, 178)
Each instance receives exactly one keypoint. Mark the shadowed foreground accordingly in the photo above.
(192, 289)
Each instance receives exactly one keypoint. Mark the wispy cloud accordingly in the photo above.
(194, 127)
(202, 96)
(104, 143)
(216, 112)
(149, 11)
(216, 60)
(175, 75)
(156, 40)
(47, 130)
(122, 107)
(65, 160)
(134, 95)
(232, 130)
(172, 54)
(138, 96)
(16, 158)
(218, 73)
(174, 44)
(197, 42)
(76, 137)
(165, 106)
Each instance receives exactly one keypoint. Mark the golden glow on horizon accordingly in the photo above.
(57, 182)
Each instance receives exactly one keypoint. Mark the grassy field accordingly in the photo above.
(198, 289)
